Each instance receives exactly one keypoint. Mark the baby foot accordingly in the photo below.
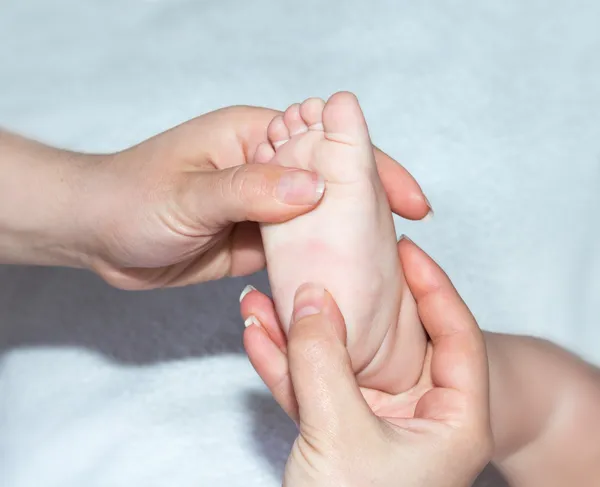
(347, 244)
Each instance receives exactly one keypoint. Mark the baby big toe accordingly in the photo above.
(344, 121)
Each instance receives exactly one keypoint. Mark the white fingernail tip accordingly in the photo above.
(251, 320)
(320, 189)
(245, 291)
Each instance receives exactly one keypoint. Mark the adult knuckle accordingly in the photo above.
(249, 185)
(229, 185)
(312, 347)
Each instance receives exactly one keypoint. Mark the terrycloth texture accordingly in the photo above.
(492, 105)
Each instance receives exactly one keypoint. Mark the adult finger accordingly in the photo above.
(262, 193)
(328, 396)
(404, 194)
(264, 343)
(247, 254)
(271, 364)
(459, 359)
(256, 305)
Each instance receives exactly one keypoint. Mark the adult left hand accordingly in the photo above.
(183, 207)
(436, 434)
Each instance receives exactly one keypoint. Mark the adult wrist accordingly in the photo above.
(43, 194)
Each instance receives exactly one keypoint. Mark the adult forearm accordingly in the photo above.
(42, 196)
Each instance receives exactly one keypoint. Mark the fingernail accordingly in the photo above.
(429, 216)
(404, 237)
(431, 212)
(300, 188)
(251, 320)
(308, 301)
(245, 291)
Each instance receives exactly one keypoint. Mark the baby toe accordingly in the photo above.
(344, 120)
(294, 121)
(264, 153)
(278, 132)
(311, 111)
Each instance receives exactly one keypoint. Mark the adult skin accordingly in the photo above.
(177, 209)
(437, 434)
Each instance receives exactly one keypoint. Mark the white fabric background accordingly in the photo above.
(493, 106)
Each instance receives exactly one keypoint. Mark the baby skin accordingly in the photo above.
(347, 244)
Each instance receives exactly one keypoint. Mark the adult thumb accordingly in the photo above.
(328, 395)
(263, 193)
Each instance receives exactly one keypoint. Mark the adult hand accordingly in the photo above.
(182, 207)
(436, 434)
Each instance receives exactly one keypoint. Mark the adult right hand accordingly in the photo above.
(436, 434)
